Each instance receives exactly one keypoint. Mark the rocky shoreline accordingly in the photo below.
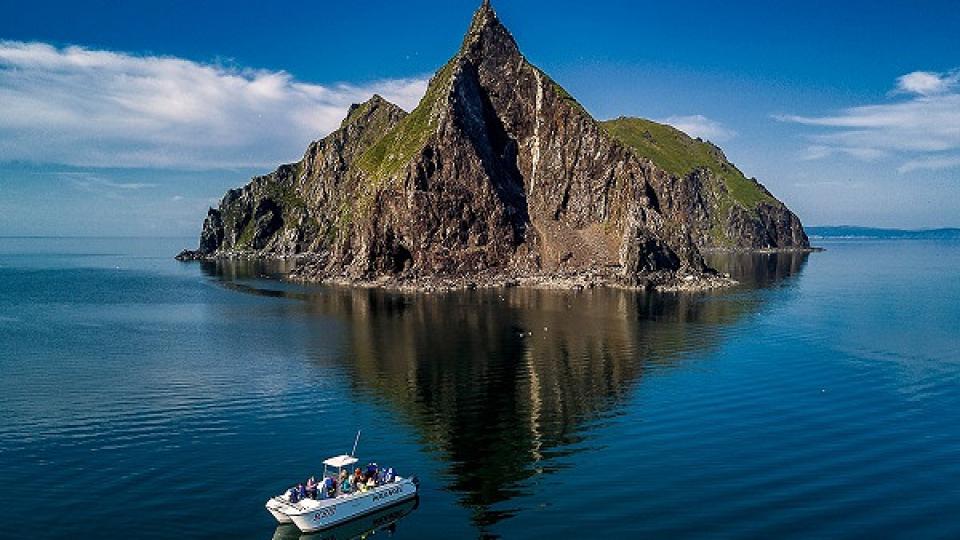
(310, 269)
(421, 284)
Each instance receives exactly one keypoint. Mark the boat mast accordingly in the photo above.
(355, 442)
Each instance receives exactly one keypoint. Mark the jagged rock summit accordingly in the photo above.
(499, 175)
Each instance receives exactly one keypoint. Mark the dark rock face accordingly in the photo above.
(211, 238)
(497, 172)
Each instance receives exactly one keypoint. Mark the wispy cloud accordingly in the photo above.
(85, 107)
(816, 151)
(919, 130)
(932, 163)
(698, 125)
(90, 180)
(102, 187)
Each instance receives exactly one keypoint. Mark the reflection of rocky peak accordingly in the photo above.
(760, 269)
(497, 172)
(502, 382)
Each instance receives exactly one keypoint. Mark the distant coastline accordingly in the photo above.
(851, 231)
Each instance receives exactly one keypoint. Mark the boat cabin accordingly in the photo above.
(338, 463)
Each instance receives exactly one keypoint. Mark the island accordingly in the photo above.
(499, 177)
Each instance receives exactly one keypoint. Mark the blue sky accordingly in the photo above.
(130, 118)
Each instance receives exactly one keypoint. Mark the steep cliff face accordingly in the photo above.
(297, 208)
(724, 208)
(497, 172)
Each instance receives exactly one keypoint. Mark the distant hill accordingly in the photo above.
(847, 231)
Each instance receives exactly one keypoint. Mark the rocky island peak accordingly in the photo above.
(499, 176)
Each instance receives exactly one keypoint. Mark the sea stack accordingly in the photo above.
(499, 176)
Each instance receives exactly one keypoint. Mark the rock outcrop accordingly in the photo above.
(498, 174)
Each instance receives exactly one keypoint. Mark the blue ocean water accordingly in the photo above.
(144, 397)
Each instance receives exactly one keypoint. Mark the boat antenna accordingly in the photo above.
(355, 442)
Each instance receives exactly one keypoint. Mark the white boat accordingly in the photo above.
(322, 512)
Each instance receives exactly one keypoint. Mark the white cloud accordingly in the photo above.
(698, 125)
(86, 107)
(926, 83)
(915, 129)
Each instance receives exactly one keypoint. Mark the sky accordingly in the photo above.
(132, 118)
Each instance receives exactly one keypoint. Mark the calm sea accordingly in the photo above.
(142, 397)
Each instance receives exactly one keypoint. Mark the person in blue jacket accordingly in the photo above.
(329, 487)
(371, 472)
(301, 491)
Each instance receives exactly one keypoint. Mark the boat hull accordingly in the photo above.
(361, 527)
(275, 507)
(327, 513)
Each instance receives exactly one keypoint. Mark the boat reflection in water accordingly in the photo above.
(385, 520)
(507, 384)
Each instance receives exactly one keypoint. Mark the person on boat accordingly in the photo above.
(357, 478)
(371, 471)
(344, 482)
(371, 483)
(386, 475)
(329, 486)
(312, 488)
(301, 491)
(293, 495)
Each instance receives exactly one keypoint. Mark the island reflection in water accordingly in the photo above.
(501, 383)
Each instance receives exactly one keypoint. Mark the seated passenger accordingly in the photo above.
(344, 482)
(292, 495)
(371, 483)
(312, 488)
(371, 471)
(329, 487)
(357, 478)
(389, 476)
(301, 491)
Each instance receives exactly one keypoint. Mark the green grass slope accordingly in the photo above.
(388, 156)
(677, 153)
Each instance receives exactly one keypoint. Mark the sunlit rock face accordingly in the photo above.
(498, 173)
